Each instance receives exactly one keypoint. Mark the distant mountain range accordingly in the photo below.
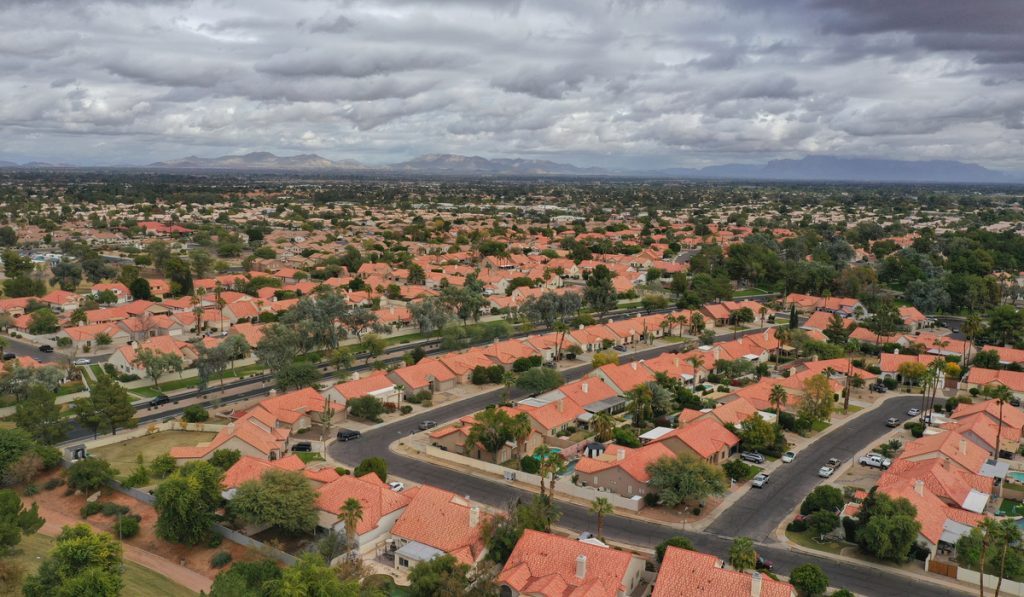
(810, 168)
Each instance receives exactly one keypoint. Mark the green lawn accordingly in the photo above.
(71, 388)
(806, 539)
(138, 581)
(402, 339)
(1011, 508)
(122, 455)
(819, 426)
(169, 384)
(749, 292)
(853, 409)
(308, 457)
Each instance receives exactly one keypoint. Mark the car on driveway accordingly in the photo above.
(424, 425)
(878, 387)
(752, 457)
(45, 348)
(825, 472)
(348, 435)
(397, 486)
(789, 456)
(302, 447)
(760, 480)
(875, 460)
(913, 412)
(892, 422)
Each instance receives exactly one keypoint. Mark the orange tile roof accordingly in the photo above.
(441, 520)
(1011, 416)
(421, 374)
(952, 445)
(545, 564)
(686, 573)
(250, 468)
(634, 460)
(939, 477)
(356, 388)
(705, 437)
(627, 376)
(982, 377)
(378, 500)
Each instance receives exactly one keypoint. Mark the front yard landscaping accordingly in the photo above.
(1011, 508)
(122, 455)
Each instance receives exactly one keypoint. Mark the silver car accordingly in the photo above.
(825, 472)
(760, 480)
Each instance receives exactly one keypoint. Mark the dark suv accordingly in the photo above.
(302, 447)
(160, 400)
(45, 348)
(348, 434)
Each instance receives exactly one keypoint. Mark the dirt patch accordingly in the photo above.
(195, 558)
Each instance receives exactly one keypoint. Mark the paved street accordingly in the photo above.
(760, 511)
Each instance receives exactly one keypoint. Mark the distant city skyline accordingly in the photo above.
(627, 84)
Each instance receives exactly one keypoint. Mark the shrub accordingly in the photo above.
(890, 383)
(112, 509)
(919, 552)
(737, 469)
(366, 407)
(215, 541)
(138, 478)
(625, 436)
(31, 490)
(162, 466)
(51, 456)
(90, 508)
(529, 464)
(225, 459)
(89, 474)
(797, 526)
(809, 580)
(220, 559)
(787, 421)
(53, 484)
(842, 593)
(406, 409)
(917, 430)
(342, 471)
(823, 497)
(128, 526)
(373, 464)
(651, 499)
(195, 414)
(850, 529)
(974, 392)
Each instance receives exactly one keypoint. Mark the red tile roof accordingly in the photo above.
(686, 573)
(441, 520)
(544, 564)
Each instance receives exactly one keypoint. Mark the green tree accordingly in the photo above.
(742, 555)
(310, 577)
(278, 347)
(186, 501)
(39, 415)
(1001, 394)
(440, 576)
(816, 404)
(245, 579)
(778, 397)
(600, 292)
(986, 359)
(107, 408)
(603, 425)
(759, 435)
(492, 428)
(373, 464)
(140, 289)
(887, 528)
(538, 380)
(297, 375)
(641, 401)
(809, 580)
(351, 514)
(90, 474)
(823, 497)
(366, 407)
(224, 458)
(374, 346)
(679, 541)
(836, 331)
(823, 522)
(1006, 325)
(601, 507)
(15, 520)
(43, 321)
(280, 498)
(552, 464)
(157, 363)
(685, 478)
(604, 357)
(82, 562)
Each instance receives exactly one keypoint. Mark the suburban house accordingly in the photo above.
(979, 378)
(889, 364)
(940, 522)
(376, 384)
(685, 573)
(962, 454)
(437, 523)
(249, 468)
(249, 435)
(912, 318)
(124, 358)
(706, 439)
(120, 291)
(954, 486)
(83, 336)
(427, 375)
(463, 363)
(453, 438)
(625, 377)
(620, 469)
(1007, 356)
(546, 565)
(381, 505)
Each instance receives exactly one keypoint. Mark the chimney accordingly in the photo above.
(620, 454)
(561, 404)
(633, 364)
(581, 566)
(963, 446)
(584, 387)
(355, 375)
(675, 361)
(919, 487)
(474, 517)
(755, 584)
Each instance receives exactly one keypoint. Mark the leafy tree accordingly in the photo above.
(186, 501)
(278, 347)
(600, 292)
(604, 357)
(300, 374)
(179, 274)
(157, 363)
(373, 464)
(685, 478)
(82, 562)
(39, 415)
(67, 274)
(310, 577)
(43, 321)
(15, 520)
(195, 414)
(245, 579)
(836, 331)
(759, 435)
(823, 497)
(539, 379)
(8, 238)
(1006, 325)
(14, 443)
(492, 428)
(816, 404)
(90, 474)
(912, 372)
(366, 407)
(652, 302)
(887, 528)
(430, 314)
(140, 289)
(224, 458)
(809, 580)
(501, 533)
(987, 359)
(680, 542)
(23, 286)
(107, 408)
(742, 555)
(822, 522)
(374, 346)
(442, 575)
(15, 264)
(358, 321)
(17, 380)
(280, 498)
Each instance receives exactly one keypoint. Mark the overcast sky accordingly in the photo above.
(596, 82)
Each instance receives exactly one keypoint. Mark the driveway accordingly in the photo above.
(760, 511)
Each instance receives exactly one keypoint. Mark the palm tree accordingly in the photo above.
(696, 324)
(989, 530)
(351, 514)
(763, 312)
(1003, 395)
(1009, 534)
(508, 379)
(601, 507)
(546, 456)
(603, 425)
(221, 303)
(641, 400)
(560, 330)
(971, 328)
(778, 398)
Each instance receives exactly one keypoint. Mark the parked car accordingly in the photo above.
(878, 387)
(752, 457)
(397, 486)
(424, 425)
(788, 456)
(1014, 401)
(45, 348)
(913, 412)
(9, 356)
(348, 434)
(875, 460)
(302, 447)
(834, 462)
(82, 361)
(619, 348)
(892, 422)
(160, 400)
(763, 564)
(825, 472)
(760, 480)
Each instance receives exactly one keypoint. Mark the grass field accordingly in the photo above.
(749, 292)
(806, 539)
(308, 457)
(138, 581)
(122, 455)
(1011, 508)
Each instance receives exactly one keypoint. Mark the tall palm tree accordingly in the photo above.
(221, 303)
(1009, 534)
(989, 531)
(641, 399)
(508, 379)
(763, 312)
(603, 425)
(1003, 395)
(547, 457)
(696, 324)
(351, 514)
(778, 398)
(601, 507)
(971, 328)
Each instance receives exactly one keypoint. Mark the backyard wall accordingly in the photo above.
(148, 429)
(1009, 587)
(563, 487)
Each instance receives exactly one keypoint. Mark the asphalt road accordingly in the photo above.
(760, 511)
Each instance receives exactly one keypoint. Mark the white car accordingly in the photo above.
(875, 460)
(788, 456)
(760, 480)
(82, 361)
(913, 412)
(397, 486)
(825, 472)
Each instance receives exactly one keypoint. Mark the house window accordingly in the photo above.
(404, 563)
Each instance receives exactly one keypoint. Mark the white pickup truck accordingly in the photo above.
(875, 460)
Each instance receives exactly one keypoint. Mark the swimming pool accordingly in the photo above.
(1018, 477)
